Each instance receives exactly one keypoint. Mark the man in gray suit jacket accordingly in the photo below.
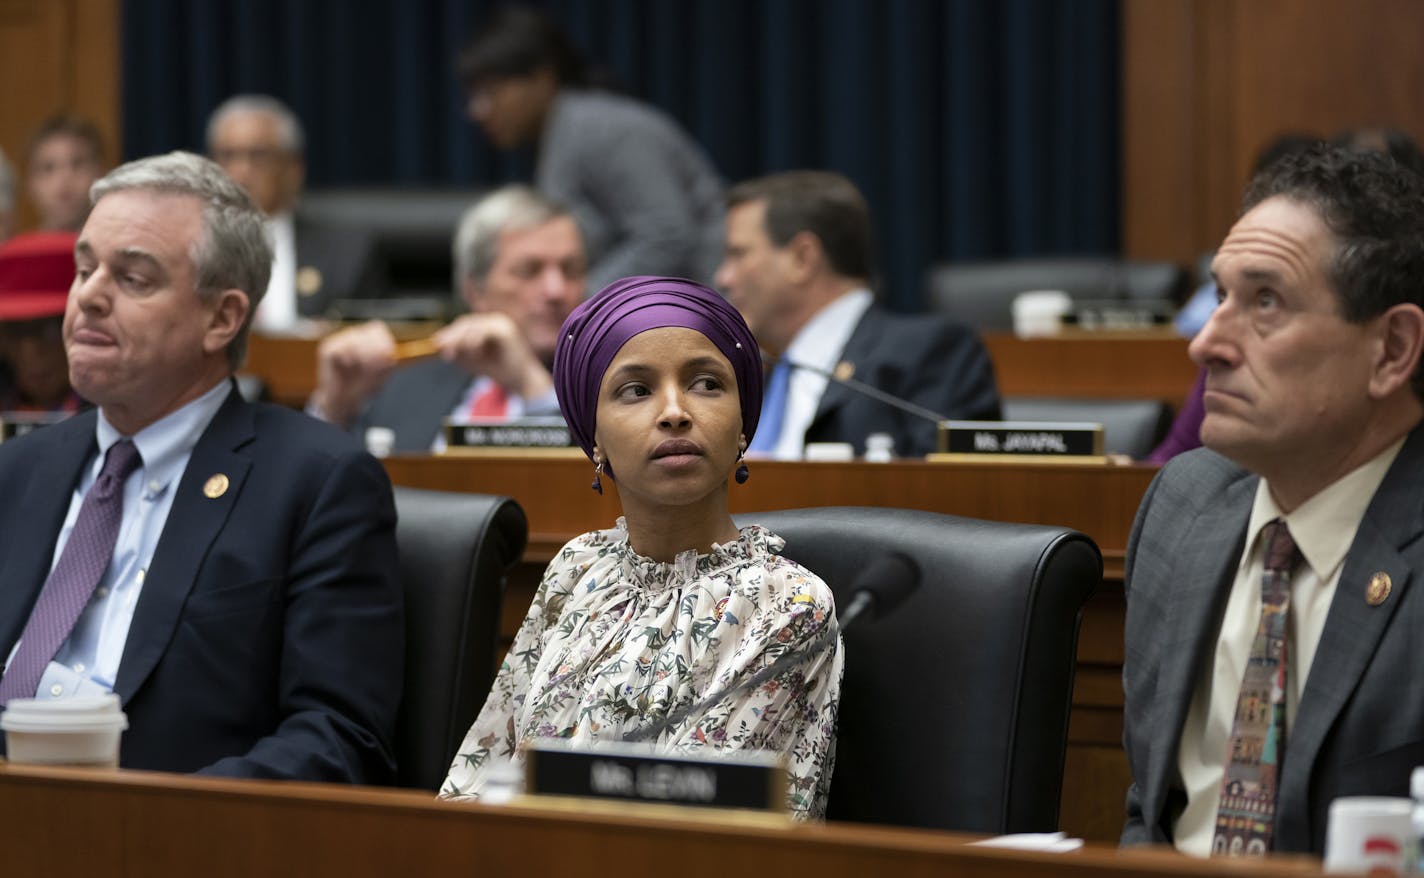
(519, 267)
(1313, 412)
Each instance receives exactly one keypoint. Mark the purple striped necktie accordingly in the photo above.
(72, 581)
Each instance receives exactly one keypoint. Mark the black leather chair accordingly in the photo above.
(413, 229)
(454, 552)
(954, 707)
(981, 294)
(1130, 426)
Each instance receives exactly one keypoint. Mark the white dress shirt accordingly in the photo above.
(1323, 528)
(88, 662)
(278, 309)
(818, 345)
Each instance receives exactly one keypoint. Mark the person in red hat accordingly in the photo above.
(36, 271)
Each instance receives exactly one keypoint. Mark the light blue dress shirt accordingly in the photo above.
(88, 662)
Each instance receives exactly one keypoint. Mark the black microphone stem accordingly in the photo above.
(869, 390)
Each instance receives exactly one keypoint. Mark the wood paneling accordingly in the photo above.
(57, 55)
(1102, 365)
(1207, 83)
(159, 826)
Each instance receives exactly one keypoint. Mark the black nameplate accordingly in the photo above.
(518, 433)
(1118, 315)
(1021, 438)
(635, 773)
(16, 424)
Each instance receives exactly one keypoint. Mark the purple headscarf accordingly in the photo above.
(598, 328)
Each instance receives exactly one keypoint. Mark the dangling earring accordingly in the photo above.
(597, 480)
(742, 473)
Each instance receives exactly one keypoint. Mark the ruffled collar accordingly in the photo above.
(754, 543)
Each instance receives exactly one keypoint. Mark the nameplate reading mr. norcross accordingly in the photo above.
(635, 773)
(517, 433)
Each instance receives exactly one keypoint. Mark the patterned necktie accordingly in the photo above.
(492, 402)
(72, 581)
(773, 409)
(1246, 814)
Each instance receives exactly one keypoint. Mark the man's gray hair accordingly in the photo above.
(7, 185)
(289, 129)
(233, 252)
(509, 208)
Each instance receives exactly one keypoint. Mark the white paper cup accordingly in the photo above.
(83, 730)
(1040, 312)
(1369, 834)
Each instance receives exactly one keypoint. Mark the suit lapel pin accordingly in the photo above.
(215, 487)
(308, 281)
(844, 371)
(1378, 590)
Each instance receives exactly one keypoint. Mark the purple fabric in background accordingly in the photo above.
(1186, 428)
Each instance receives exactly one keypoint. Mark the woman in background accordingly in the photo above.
(660, 382)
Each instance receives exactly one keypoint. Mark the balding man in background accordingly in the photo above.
(259, 141)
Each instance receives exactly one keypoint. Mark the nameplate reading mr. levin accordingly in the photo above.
(636, 774)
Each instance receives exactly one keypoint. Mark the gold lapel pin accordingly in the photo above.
(215, 487)
(1378, 590)
(308, 281)
(844, 371)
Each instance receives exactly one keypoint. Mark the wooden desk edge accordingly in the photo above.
(39, 787)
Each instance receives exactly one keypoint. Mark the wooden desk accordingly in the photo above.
(1098, 500)
(1102, 365)
(71, 822)
(287, 365)
(1109, 365)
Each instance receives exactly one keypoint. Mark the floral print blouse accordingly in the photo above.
(614, 641)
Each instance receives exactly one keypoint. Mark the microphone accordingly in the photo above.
(883, 585)
(855, 385)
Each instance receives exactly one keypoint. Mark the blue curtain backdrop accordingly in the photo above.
(976, 128)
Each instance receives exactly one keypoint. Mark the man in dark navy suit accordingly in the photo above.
(798, 266)
(249, 617)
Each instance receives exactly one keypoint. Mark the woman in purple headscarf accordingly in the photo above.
(660, 382)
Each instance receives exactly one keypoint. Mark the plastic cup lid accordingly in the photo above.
(78, 712)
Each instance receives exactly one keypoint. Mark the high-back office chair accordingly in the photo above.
(412, 230)
(454, 552)
(981, 294)
(1130, 426)
(954, 707)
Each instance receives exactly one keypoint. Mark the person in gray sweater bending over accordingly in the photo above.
(645, 195)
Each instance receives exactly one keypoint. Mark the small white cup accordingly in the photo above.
(1040, 312)
(834, 452)
(83, 730)
(1369, 834)
(380, 441)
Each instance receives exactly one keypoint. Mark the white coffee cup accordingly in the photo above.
(1369, 834)
(1040, 312)
(83, 730)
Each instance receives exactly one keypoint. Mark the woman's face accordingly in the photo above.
(669, 418)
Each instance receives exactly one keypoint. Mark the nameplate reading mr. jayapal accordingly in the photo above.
(635, 773)
(980, 440)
